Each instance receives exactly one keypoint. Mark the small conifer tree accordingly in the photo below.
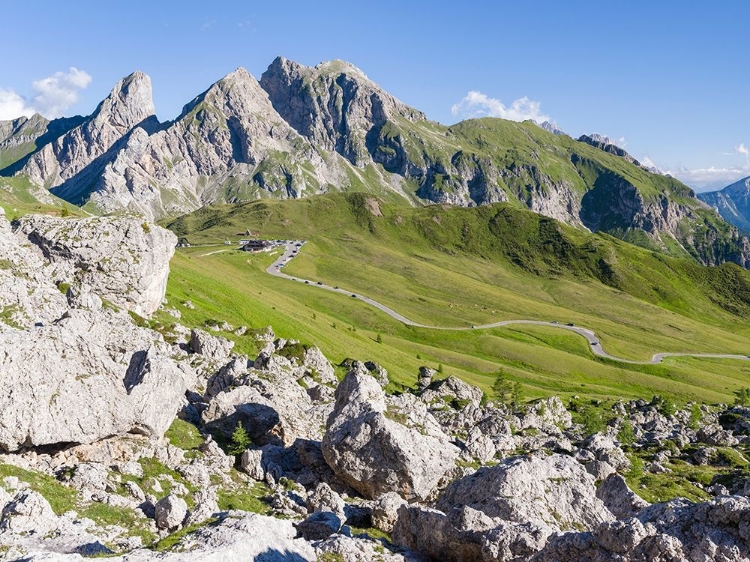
(240, 440)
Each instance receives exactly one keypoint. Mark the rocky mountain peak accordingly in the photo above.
(551, 127)
(338, 66)
(129, 105)
(333, 104)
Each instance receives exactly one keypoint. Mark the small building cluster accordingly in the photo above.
(257, 245)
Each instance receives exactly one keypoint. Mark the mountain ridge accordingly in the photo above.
(301, 131)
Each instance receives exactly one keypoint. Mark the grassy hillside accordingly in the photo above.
(17, 199)
(459, 267)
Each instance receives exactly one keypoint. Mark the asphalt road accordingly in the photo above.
(292, 248)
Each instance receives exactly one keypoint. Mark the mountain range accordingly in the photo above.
(301, 131)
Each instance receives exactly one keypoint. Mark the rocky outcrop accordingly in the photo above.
(679, 530)
(375, 454)
(75, 157)
(619, 498)
(123, 260)
(94, 371)
(96, 374)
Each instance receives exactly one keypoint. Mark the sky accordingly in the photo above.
(666, 80)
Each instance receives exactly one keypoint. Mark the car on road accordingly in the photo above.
(354, 296)
(307, 282)
(319, 283)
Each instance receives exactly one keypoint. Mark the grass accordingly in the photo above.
(60, 497)
(184, 435)
(105, 515)
(476, 266)
(245, 497)
(17, 199)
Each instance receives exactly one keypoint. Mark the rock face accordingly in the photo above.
(374, 454)
(732, 203)
(334, 105)
(94, 372)
(228, 144)
(21, 137)
(75, 154)
(125, 260)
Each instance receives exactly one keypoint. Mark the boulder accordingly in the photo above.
(374, 454)
(122, 259)
(319, 526)
(318, 367)
(385, 511)
(465, 535)
(213, 348)
(170, 512)
(28, 512)
(97, 375)
(553, 491)
(323, 498)
(452, 390)
(619, 498)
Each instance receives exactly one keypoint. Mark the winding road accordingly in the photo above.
(292, 248)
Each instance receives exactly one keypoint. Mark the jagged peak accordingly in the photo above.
(129, 103)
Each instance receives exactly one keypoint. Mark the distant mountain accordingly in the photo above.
(732, 203)
(302, 131)
(552, 128)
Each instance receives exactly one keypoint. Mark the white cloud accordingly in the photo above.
(12, 106)
(717, 177)
(712, 177)
(743, 151)
(476, 104)
(59, 92)
(208, 25)
(54, 95)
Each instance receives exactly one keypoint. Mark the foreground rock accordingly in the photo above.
(504, 512)
(72, 371)
(677, 530)
(554, 491)
(237, 538)
(123, 260)
(374, 454)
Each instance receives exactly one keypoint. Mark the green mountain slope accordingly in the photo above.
(459, 267)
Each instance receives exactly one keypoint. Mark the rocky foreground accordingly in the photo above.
(119, 440)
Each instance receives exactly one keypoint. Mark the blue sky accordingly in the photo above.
(668, 79)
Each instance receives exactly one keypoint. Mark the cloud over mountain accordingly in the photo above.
(54, 95)
(476, 104)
